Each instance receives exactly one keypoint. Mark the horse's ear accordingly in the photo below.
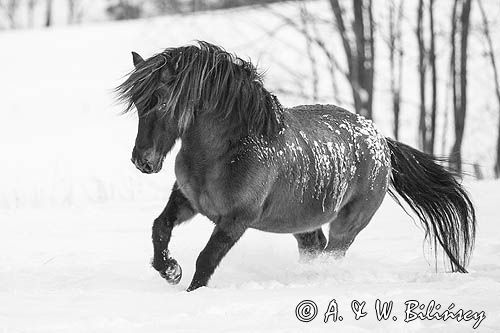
(137, 59)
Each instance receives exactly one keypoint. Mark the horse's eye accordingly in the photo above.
(153, 102)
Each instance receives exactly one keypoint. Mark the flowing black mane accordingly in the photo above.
(202, 78)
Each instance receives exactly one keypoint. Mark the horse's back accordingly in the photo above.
(353, 136)
(310, 112)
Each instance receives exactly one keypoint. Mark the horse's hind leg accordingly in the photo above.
(351, 219)
(311, 244)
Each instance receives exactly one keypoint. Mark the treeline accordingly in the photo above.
(15, 14)
(127, 9)
(353, 23)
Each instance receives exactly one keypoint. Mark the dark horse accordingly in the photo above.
(247, 162)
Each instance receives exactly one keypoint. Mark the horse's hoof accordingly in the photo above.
(173, 272)
(193, 287)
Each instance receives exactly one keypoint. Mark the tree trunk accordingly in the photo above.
(370, 66)
(453, 62)
(360, 53)
(392, 63)
(461, 107)
(422, 126)
(71, 11)
(491, 56)
(395, 56)
(31, 8)
(432, 61)
(48, 13)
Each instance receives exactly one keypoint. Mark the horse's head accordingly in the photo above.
(180, 86)
(157, 130)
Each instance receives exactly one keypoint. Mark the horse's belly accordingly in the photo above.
(294, 222)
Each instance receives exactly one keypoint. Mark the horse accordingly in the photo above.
(245, 162)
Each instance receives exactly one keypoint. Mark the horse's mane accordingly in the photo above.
(203, 78)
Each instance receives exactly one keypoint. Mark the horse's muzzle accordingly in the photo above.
(144, 167)
(147, 166)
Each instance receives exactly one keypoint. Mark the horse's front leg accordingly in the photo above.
(226, 233)
(178, 210)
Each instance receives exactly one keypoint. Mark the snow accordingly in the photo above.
(86, 269)
(76, 215)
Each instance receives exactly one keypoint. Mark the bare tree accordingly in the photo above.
(426, 58)
(453, 55)
(10, 8)
(422, 71)
(304, 16)
(30, 6)
(48, 13)
(360, 52)
(460, 82)
(432, 63)
(491, 56)
(308, 28)
(396, 60)
(75, 11)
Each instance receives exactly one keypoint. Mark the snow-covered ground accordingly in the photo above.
(86, 269)
(75, 214)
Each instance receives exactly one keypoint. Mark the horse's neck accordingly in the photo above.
(211, 138)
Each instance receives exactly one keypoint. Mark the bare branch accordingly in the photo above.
(339, 19)
(491, 55)
(318, 41)
(310, 52)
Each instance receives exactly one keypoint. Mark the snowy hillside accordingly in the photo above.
(76, 215)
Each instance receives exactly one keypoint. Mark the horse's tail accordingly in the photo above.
(441, 203)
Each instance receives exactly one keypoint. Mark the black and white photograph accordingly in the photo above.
(249, 166)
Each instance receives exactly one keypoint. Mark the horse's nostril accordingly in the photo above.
(148, 167)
